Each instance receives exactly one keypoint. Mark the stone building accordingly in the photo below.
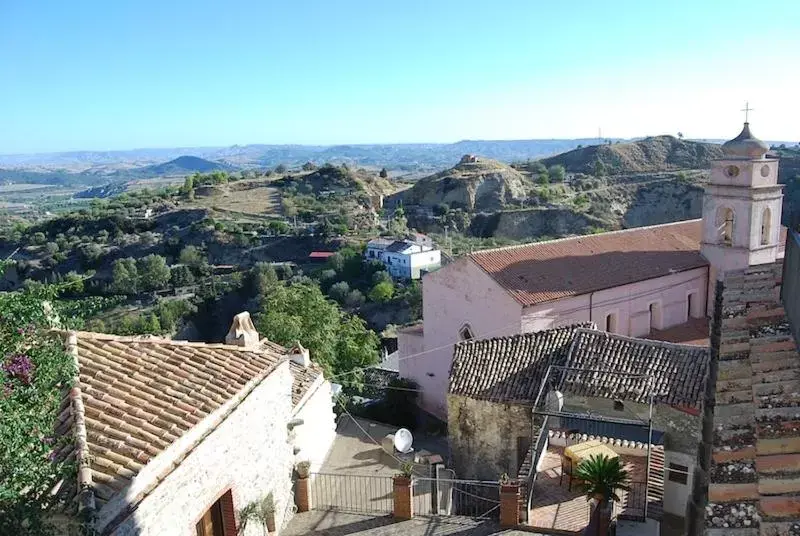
(175, 437)
(635, 282)
(495, 383)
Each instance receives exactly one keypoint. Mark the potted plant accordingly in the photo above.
(507, 485)
(405, 474)
(303, 469)
(601, 478)
(261, 512)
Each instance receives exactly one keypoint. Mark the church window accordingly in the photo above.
(611, 323)
(766, 224)
(655, 315)
(466, 333)
(725, 220)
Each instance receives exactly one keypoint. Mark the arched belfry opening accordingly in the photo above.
(725, 222)
(766, 226)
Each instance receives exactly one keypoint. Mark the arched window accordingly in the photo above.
(766, 225)
(725, 220)
(611, 323)
(466, 333)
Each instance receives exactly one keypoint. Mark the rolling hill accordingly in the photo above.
(653, 154)
(183, 165)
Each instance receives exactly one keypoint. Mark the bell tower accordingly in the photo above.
(742, 206)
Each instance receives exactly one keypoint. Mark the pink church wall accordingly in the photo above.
(457, 295)
(629, 303)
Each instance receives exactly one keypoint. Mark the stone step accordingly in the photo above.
(780, 507)
(776, 388)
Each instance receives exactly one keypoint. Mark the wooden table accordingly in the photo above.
(583, 451)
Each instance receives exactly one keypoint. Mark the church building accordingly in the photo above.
(652, 282)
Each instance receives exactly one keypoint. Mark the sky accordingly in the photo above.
(103, 75)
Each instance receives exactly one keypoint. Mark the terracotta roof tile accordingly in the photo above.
(677, 372)
(511, 369)
(139, 395)
(545, 271)
(508, 369)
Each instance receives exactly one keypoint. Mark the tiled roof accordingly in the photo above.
(545, 271)
(511, 369)
(508, 369)
(135, 396)
(676, 372)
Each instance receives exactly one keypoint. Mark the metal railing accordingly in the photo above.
(445, 497)
(351, 493)
(633, 503)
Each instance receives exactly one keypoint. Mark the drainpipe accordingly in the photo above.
(591, 299)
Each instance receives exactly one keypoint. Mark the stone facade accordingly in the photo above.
(487, 439)
(249, 453)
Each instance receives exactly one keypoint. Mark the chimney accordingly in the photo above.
(300, 355)
(243, 332)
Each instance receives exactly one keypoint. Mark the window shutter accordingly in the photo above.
(228, 514)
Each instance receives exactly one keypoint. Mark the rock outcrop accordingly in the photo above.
(474, 184)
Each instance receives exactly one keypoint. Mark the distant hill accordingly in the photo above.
(330, 178)
(475, 183)
(183, 165)
(657, 153)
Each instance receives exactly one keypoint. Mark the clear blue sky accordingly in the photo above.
(101, 74)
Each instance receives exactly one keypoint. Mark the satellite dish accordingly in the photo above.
(403, 440)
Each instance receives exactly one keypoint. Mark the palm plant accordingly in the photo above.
(261, 512)
(601, 477)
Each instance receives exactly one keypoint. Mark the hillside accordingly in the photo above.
(474, 184)
(653, 154)
(183, 165)
(337, 179)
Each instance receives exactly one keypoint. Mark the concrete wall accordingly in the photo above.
(459, 294)
(425, 261)
(682, 429)
(248, 452)
(483, 437)
(629, 305)
(314, 438)
(675, 493)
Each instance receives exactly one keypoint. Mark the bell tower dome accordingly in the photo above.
(742, 206)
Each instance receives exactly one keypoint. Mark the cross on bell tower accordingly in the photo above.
(746, 111)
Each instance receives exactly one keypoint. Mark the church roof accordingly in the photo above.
(511, 369)
(745, 145)
(136, 396)
(545, 271)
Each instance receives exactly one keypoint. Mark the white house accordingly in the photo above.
(404, 259)
(176, 437)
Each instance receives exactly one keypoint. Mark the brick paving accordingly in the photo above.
(334, 523)
(554, 506)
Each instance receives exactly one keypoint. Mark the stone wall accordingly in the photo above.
(248, 453)
(753, 484)
(484, 437)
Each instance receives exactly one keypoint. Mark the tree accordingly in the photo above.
(192, 256)
(153, 272)
(125, 276)
(383, 174)
(441, 209)
(599, 168)
(337, 341)
(538, 168)
(181, 276)
(263, 278)
(382, 292)
(278, 227)
(308, 166)
(280, 168)
(339, 291)
(380, 276)
(188, 186)
(556, 173)
(289, 208)
(354, 299)
(680, 135)
(543, 179)
(39, 238)
(35, 370)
